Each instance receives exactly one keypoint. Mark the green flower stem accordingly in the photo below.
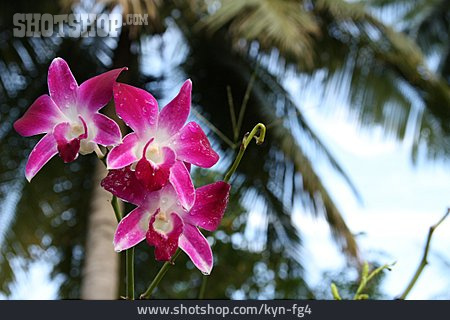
(245, 142)
(201, 293)
(261, 128)
(148, 293)
(129, 254)
(363, 283)
(335, 292)
(424, 260)
(366, 277)
(116, 206)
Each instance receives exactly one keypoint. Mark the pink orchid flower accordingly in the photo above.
(161, 142)
(69, 117)
(163, 221)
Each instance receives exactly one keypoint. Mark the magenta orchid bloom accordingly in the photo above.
(164, 222)
(69, 117)
(162, 146)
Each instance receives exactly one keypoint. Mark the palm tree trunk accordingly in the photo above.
(101, 269)
(102, 265)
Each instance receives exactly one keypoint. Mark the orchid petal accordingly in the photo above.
(41, 117)
(125, 153)
(210, 204)
(62, 85)
(107, 131)
(182, 183)
(155, 176)
(192, 145)
(131, 229)
(197, 248)
(165, 243)
(96, 92)
(44, 150)
(174, 115)
(124, 184)
(168, 200)
(136, 107)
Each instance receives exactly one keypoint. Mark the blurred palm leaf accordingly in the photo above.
(351, 43)
(281, 24)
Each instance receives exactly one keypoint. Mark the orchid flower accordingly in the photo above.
(161, 142)
(163, 221)
(69, 117)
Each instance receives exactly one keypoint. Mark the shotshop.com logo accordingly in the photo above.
(73, 25)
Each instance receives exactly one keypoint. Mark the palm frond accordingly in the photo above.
(352, 42)
(284, 24)
(342, 9)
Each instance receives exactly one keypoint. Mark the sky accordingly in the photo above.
(400, 201)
